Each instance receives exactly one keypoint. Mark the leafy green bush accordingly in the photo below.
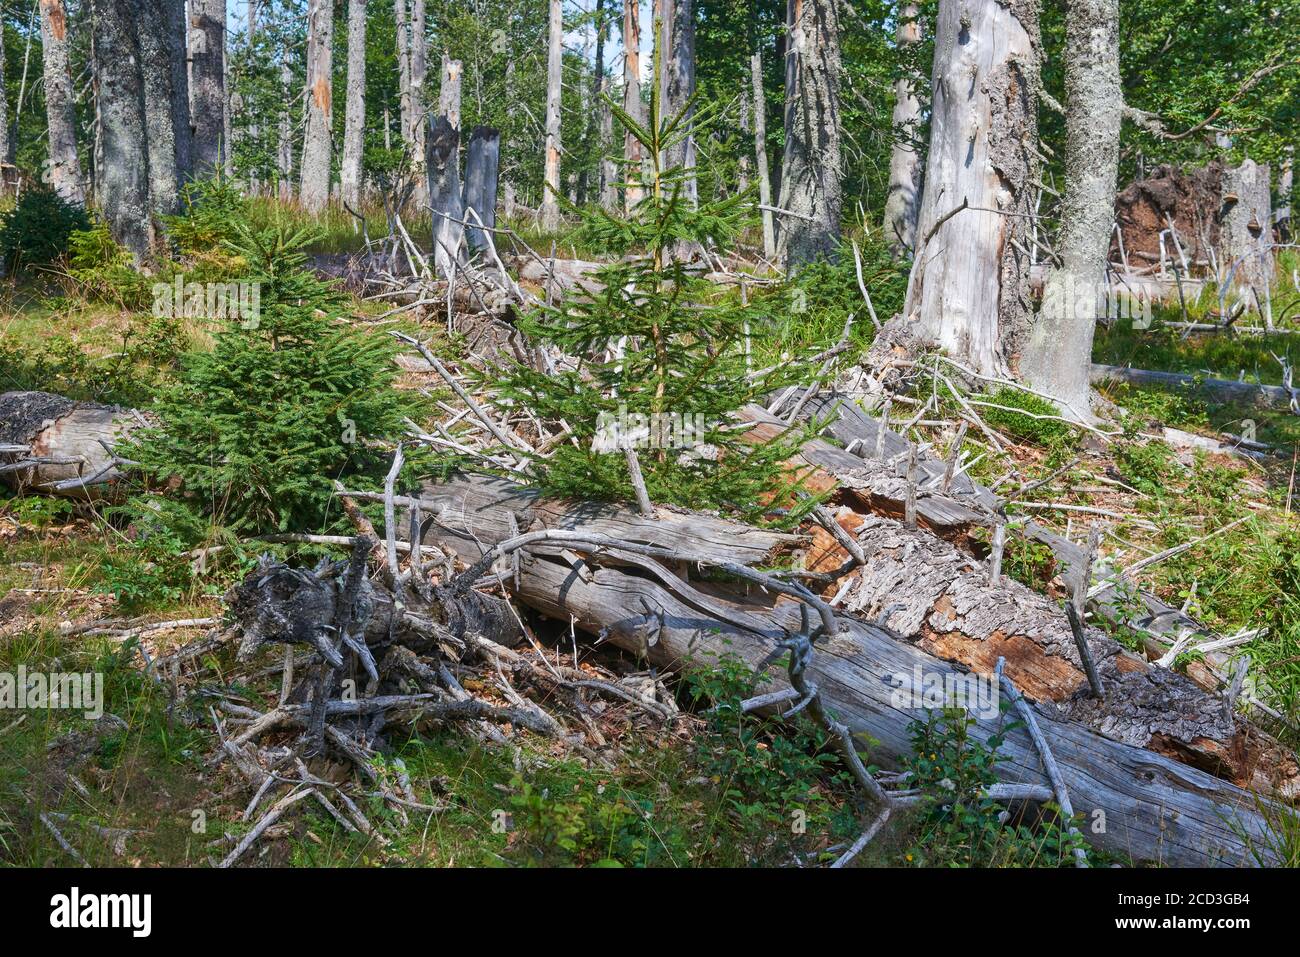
(285, 402)
(37, 230)
(104, 271)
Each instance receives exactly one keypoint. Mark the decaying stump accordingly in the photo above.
(52, 444)
(481, 164)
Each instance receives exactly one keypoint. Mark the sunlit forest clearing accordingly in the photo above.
(557, 433)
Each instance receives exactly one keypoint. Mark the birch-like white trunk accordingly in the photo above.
(207, 41)
(811, 170)
(64, 170)
(1246, 235)
(314, 185)
(904, 199)
(1058, 354)
(354, 125)
(969, 289)
(550, 210)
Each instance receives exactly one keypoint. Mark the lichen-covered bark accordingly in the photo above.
(6, 140)
(64, 170)
(677, 43)
(903, 202)
(759, 104)
(969, 289)
(207, 37)
(812, 171)
(160, 47)
(123, 172)
(355, 122)
(314, 184)
(1058, 353)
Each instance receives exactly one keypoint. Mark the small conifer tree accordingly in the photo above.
(287, 399)
(660, 364)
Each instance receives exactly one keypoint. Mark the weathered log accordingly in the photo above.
(1136, 801)
(52, 444)
(1225, 390)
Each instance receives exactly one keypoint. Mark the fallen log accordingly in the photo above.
(1224, 390)
(1137, 801)
(55, 445)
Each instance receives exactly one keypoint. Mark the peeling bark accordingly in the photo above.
(904, 200)
(550, 209)
(969, 289)
(632, 157)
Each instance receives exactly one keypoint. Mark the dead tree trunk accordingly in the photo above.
(354, 127)
(64, 171)
(442, 161)
(419, 102)
(314, 186)
(1245, 236)
(904, 200)
(482, 161)
(173, 23)
(608, 168)
(550, 210)
(123, 175)
(632, 157)
(677, 45)
(811, 171)
(284, 138)
(208, 85)
(160, 51)
(1058, 353)
(6, 137)
(1285, 184)
(969, 289)
(760, 155)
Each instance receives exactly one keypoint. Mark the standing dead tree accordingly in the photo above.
(904, 199)
(208, 105)
(314, 183)
(550, 209)
(354, 126)
(64, 170)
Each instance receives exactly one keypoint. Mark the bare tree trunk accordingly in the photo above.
(158, 51)
(64, 172)
(354, 126)
(1245, 236)
(632, 100)
(173, 21)
(760, 155)
(284, 144)
(442, 160)
(482, 163)
(6, 134)
(1285, 185)
(677, 58)
(904, 199)
(608, 168)
(811, 172)
(969, 289)
(550, 209)
(314, 186)
(123, 176)
(208, 85)
(419, 102)
(1058, 353)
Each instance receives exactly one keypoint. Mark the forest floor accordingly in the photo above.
(140, 789)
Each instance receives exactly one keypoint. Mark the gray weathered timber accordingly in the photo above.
(550, 209)
(123, 175)
(1272, 396)
(1246, 234)
(1153, 807)
(969, 289)
(632, 157)
(482, 162)
(442, 152)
